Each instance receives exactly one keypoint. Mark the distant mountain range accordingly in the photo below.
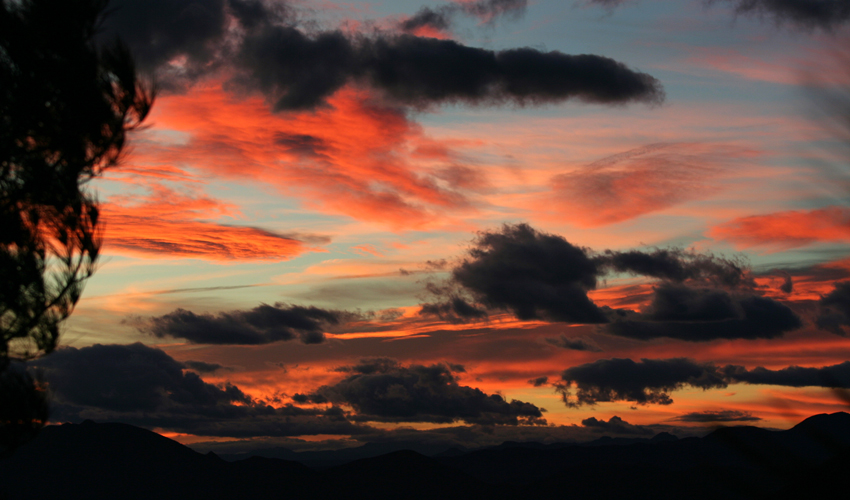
(119, 461)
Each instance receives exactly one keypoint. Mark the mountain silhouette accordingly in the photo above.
(112, 460)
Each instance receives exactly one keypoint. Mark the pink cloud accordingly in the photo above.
(640, 181)
(788, 229)
(356, 157)
(168, 223)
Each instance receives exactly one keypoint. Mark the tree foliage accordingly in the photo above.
(66, 106)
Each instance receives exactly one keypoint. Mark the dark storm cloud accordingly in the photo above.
(300, 72)
(424, 71)
(144, 386)
(677, 265)
(383, 390)
(672, 302)
(835, 309)
(534, 275)
(704, 314)
(454, 310)
(835, 376)
(826, 14)
(647, 381)
(539, 381)
(540, 276)
(202, 366)
(161, 30)
(182, 40)
(440, 18)
(261, 325)
(309, 398)
(295, 70)
(651, 380)
(573, 344)
(618, 426)
(192, 34)
(717, 416)
(126, 378)
(808, 14)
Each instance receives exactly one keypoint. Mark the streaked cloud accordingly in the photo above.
(787, 229)
(167, 223)
(640, 181)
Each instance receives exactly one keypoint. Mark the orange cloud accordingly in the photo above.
(789, 229)
(356, 157)
(733, 62)
(631, 296)
(640, 181)
(812, 283)
(167, 222)
(431, 32)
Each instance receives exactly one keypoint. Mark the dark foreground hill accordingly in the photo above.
(95, 461)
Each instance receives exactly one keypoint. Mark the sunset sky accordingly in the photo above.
(372, 221)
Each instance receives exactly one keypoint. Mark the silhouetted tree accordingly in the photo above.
(66, 106)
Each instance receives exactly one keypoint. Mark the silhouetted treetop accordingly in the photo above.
(65, 109)
(66, 106)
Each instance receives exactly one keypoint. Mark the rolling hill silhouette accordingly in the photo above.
(111, 460)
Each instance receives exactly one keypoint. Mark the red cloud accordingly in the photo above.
(356, 157)
(431, 32)
(788, 229)
(167, 222)
(638, 182)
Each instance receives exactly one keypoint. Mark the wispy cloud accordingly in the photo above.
(788, 229)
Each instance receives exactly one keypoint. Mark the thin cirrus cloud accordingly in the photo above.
(733, 62)
(788, 229)
(814, 282)
(650, 381)
(640, 181)
(169, 223)
(357, 157)
(540, 276)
